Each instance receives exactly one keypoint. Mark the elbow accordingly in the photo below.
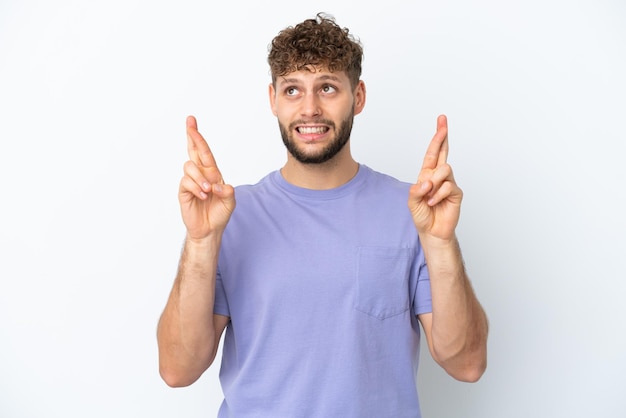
(469, 374)
(465, 366)
(177, 374)
(178, 369)
(176, 379)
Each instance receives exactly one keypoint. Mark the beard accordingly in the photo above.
(341, 138)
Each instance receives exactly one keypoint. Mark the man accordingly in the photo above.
(321, 274)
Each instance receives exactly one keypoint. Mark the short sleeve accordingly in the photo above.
(220, 306)
(422, 298)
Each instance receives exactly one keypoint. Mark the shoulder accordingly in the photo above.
(261, 197)
(244, 191)
(385, 183)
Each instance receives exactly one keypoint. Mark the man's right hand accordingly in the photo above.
(206, 203)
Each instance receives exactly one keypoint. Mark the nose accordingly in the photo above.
(310, 105)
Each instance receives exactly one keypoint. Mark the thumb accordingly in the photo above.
(419, 191)
(418, 204)
(225, 192)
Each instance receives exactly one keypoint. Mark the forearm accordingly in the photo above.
(459, 324)
(186, 335)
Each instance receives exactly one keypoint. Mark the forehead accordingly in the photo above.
(313, 75)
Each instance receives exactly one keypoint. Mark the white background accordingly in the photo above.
(93, 100)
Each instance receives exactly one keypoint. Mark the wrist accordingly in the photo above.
(438, 243)
(443, 256)
(209, 242)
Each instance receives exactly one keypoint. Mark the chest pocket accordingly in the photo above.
(382, 281)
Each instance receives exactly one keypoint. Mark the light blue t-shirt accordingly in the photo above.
(322, 288)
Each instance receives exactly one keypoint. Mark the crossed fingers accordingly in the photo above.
(437, 152)
(197, 147)
(201, 170)
(436, 176)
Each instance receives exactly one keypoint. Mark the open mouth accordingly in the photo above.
(312, 130)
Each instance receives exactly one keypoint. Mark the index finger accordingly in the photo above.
(437, 152)
(197, 147)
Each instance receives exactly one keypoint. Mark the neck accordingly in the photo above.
(333, 173)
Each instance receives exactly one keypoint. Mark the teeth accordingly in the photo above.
(312, 129)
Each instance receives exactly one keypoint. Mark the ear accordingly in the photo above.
(359, 97)
(272, 94)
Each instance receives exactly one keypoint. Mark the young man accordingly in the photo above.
(322, 273)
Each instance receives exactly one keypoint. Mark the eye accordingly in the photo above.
(327, 88)
(291, 91)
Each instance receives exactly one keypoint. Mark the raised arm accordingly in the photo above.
(188, 332)
(456, 330)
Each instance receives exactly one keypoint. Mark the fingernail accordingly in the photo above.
(206, 186)
(218, 188)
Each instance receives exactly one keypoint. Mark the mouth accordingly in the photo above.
(312, 130)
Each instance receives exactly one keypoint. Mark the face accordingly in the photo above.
(315, 112)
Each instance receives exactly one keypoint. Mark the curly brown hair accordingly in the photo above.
(318, 43)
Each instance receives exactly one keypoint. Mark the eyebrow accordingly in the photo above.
(324, 77)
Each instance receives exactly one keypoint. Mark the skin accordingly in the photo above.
(188, 332)
(457, 328)
(307, 97)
